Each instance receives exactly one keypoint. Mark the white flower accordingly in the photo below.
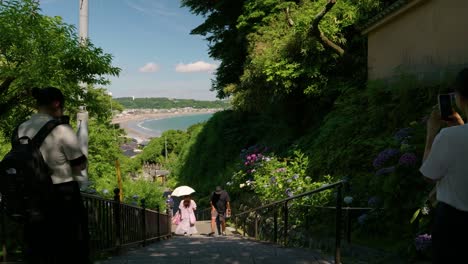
(229, 183)
(242, 185)
(425, 210)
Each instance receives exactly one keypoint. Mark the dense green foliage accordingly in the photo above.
(37, 51)
(166, 103)
(299, 95)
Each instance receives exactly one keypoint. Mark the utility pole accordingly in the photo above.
(82, 116)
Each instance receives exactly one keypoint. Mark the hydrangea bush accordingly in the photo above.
(400, 190)
(264, 177)
(272, 178)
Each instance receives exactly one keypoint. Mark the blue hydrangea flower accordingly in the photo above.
(403, 134)
(135, 196)
(384, 156)
(362, 219)
(373, 201)
(296, 176)
(105, 191)
(387, 170)
(289, 181)
(289, 193)
(348, 200)
(408, 159)
(273, 179)
(422, 242)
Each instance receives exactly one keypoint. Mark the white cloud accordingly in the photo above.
(152, 8)
(199, 66)
(150, 67)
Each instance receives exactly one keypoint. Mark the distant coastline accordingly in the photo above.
(131, 120)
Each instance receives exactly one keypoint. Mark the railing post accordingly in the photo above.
(348, 226)
(143, 220)
(117, 219)
(4, 248)
(286, 216)
(339, 201)
(158, 222)
(256, 225)
(244, 225)
(169, 222)
(275, 226)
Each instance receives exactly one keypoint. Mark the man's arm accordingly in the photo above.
(72, 149)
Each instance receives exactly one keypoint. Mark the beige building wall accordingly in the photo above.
(428, 37)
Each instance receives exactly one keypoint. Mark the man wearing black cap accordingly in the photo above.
(220, 209)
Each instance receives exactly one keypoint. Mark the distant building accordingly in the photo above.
(421, 37)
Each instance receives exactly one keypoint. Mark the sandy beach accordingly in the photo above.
(130, 122)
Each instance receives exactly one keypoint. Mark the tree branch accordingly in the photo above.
(288, 17)
(6, 84)
(316, 32)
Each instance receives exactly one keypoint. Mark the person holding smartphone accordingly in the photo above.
(445, 162)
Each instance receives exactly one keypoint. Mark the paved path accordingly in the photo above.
(206, 250)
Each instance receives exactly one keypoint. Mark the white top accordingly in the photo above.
(448, 163)
(58, 149)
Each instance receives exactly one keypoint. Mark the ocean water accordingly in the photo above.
(158, 126)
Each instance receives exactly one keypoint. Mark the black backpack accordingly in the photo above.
(25, 178)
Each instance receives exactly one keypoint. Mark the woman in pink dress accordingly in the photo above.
(187, 209)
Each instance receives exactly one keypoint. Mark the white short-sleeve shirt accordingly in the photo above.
(448, 164)
(59, 148)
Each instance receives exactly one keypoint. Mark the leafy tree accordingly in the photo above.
(37, 51)
(227, 43)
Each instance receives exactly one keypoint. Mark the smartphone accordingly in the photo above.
(445, 106)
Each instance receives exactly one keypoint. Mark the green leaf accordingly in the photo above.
(415, 215)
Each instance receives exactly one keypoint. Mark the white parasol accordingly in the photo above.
(182, 190)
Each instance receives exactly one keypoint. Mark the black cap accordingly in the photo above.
(218, 189)
(46, 96)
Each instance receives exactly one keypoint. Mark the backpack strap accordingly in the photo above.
(44, 132)
(14, 136)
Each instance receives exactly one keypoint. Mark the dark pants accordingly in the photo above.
(63, 237)
(449, 235)
(220, 218)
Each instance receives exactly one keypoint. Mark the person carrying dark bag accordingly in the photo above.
(37, 179)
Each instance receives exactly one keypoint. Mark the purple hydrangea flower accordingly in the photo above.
(407, 159)
(135, 196)
(296, 176)
(362, 219)
(387, 170)
(373, 201)
(384, 156)
(422, 242)
(289, 193)
(273, 179)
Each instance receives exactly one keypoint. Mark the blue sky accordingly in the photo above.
(150, 42)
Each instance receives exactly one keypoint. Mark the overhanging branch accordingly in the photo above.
(288, 17)
(316, 32)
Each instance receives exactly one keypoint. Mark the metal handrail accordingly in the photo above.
(320, 189)
(112, 224)
(284, 202)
